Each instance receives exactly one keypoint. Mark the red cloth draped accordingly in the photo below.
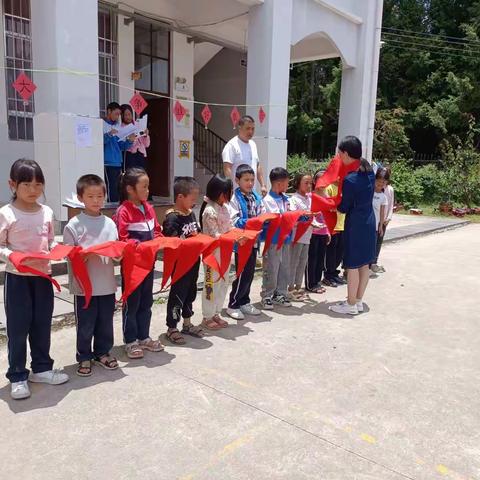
(328, 207)
(288, 222)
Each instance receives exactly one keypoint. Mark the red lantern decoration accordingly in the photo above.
(206, 115)
(235, 116)
(138, 103)
(262, 115)
(179, 111)
(24, 86)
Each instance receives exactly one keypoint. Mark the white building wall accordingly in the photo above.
(126, 57)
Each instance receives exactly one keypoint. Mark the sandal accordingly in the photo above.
(84, 368)
(211, 324)
(174, 336)
(151, 345)
(193, 330)
(218, 319)
(107, 361)
(318, 290)
(134, 351)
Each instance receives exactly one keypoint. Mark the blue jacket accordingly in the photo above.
(113, 148)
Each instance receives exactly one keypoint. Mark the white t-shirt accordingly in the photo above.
(238, 152)
(379, 200)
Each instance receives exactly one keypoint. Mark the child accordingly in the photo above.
(136, 219)
(181, 222)
(390, 194)
(95, 322)
(300, 200)
(245, 204)
(215, 220)
(380, 206)
(136, 155)
(334, 252)
(27, 226)
(112, 150)
(276, 264)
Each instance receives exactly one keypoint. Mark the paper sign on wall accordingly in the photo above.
(83, 132)
(184, 148)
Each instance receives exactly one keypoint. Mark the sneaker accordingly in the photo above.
(375, 268)
(339, 280)
(249, 309)
(329, 283)
(360, 307)
(20, 390)
(52, 377)
(267, 303)
(281, 300)
(235, 313)
(381, 269)
(344, 308)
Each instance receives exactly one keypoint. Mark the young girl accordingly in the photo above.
(27, 226)
(383, 208)
(300, 200)
(136, 219)
(136, 155)
(215, 220)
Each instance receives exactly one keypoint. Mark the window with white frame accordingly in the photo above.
(18, 58)
(107, 57)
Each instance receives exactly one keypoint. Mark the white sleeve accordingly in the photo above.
(228, 153)
(4, 226)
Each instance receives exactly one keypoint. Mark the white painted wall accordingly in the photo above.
(126, 57)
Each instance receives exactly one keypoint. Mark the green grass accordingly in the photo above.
(432, 211)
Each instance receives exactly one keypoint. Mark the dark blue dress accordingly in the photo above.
(360, 231)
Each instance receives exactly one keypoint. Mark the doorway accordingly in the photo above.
(152, 60)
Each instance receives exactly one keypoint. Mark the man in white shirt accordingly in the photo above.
(241, 149)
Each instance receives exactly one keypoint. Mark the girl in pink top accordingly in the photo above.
(27, 226)
(136, 155)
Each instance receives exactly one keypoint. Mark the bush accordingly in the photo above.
(432, 181)
(300, 163)
(408, 189)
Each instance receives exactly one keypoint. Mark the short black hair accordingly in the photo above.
(25, 170)
(89, 180)
(297, 180)
(183, 186)
(278, 173)
(351, 145)
(243, 169)
(113, 106)
(245, 119)
(382, 174)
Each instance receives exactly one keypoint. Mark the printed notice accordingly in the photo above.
(83, 132)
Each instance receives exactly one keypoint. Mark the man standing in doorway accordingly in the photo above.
(241, 149)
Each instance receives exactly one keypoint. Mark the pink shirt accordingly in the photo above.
(140, 144)
(26, 232)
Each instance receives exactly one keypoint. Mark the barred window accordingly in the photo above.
(107, 57)
(18, 58)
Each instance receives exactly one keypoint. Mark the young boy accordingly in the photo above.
(245, 204)
(276, 263)
(180, 221)
(112, 150)
(96, 322)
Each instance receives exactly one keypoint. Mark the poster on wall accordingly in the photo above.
(184, 148)
(83, 133)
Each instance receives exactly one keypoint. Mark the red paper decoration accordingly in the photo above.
(262, 115)
(235, 116)
(138, 103)
(24, 86)
(179, 111)
(206, 115)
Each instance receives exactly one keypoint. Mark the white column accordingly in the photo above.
(359, 85)
(268, 74)
(65, 36)
(126, 55)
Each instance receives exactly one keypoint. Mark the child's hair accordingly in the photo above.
(278, 173)
(243, 169)
(90, 180)
(216, 187)
(126, 107)
(382, 174)
(318, 175)
(129, 178)
(24, 170)
(388, 173)
(351, 145)
(113, 106)
(297, 180)
(183, 186)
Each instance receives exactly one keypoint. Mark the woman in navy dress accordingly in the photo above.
(360, 231)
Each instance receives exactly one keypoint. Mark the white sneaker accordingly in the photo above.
(235, 313)
(52, 377)
(20, 390)
(249, 309)
(344, 308)
(360, 307)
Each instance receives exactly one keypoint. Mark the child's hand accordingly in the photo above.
(113, 132)
(145, 132)
(131, 138)
(329, 239)
(380, 230)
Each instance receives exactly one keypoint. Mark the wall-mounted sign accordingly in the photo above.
(184, 148)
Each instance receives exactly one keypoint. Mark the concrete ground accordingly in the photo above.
(298, 393)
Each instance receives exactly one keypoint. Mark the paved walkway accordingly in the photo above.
(296, 394)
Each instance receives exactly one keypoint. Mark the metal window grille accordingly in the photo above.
(107, 57)
(18, 58)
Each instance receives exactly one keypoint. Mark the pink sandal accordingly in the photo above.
(220, 321)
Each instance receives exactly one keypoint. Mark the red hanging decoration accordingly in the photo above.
(179, 111)
(262, 115)
(138, 103)
(206, 115)
(235, 116)
(24, 86)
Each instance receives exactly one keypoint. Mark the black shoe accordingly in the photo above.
(339, 280)
(329, 283)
